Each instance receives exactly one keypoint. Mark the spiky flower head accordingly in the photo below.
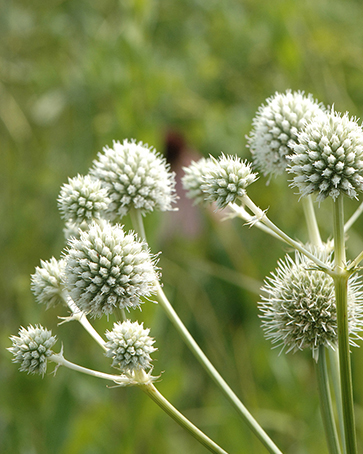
(47, 282)
(328, 160)
(226, 180)
(129, 345)
(136, 176)
(107, 268)
(82, 199)
(275, 129)
(32, 349)
(299, 309)
(193, 179)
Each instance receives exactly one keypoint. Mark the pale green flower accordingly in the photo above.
(47, 282)
(32, 349)
(275, 129)
(328, 160)
(107, 268)
(299, 309)
(135, 176)
(129, 345)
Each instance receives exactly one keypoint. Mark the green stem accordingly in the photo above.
(326, 404)
(335, 376)
(202, 358)
(143, 380)
(341, 296)
(261, 216)
(165, 405)
(312, 225)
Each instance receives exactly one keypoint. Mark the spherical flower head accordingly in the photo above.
(193, 179)
(275, 129)
(47, 282)
(32, 349)
(135, 176)
(82, 199)
(107, 268)
(226, 180)
(129, 345)
(328, 160)
(299, 308)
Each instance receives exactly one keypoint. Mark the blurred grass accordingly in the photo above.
(76, 75)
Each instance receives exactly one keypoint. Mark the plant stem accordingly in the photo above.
(326, 404)
(312, 225)
(335, 376)
(341, 296)
(165, 405)
(202, 358)
(80, 316)
(261, 216)
(143, 381)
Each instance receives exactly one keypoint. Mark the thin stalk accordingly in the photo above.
(202, 358)
(335, 376)
(326, 404)
(261, 216)
(353, 218)
(312, 225)
(341, 296)
(80, 316)
(143, 381)
(213, 373)
(165, 405)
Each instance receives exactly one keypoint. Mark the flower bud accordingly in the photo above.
(107, 268)
(135, 177)
(82, 200)
(328, 159)
(32, 348)
(299, 309)
(47, 282)
(275, 129)
(130, 346)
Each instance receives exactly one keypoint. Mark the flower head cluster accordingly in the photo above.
(299, 309)
(275, 129)
(107, 268)
(221, 181)
(82, 199)
(328, 160)
(32, 349)
(47, 282)
(130, 346)
(135, 177)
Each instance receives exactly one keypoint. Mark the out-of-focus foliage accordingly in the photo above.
(74, 75)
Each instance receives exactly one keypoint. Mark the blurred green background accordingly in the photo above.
(75, 75)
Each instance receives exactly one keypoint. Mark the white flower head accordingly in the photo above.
(32, 349)
(108, 268)
(328, 159)
(299, 309)
(275, 129)
(136, 176)
(82, 199)
(47, 282)
(129, 345)
(193, 179)
(226, 180)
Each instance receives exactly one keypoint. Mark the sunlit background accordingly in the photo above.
(187, 77)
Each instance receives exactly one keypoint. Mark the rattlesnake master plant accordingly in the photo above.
(328, 159)
(221, 180)
(32, 349)
(47, 282)
(275, 129)
(135, 176)
(82, 200)
(129, 345)
(299, 308)
(107, 269)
